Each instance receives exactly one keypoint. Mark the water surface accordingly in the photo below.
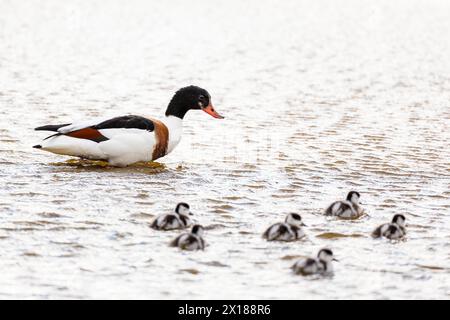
(320, 97)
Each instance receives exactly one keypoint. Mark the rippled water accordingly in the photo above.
(320, 97)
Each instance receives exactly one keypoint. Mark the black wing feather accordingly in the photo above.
(55, 127)
(127, 122)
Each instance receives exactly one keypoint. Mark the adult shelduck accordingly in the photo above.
(128, 139)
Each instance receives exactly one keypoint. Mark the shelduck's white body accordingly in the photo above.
(123, 147)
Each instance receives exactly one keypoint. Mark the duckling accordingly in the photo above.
(320, 265)
(289, 230)
(190, 241)
(349, 208)
(394, 230)
(179, 219)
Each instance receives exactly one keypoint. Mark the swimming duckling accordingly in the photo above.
(394, 230)
(190, 241)
(179, 219)
(289, 230)
(321, 264)
(349, 208)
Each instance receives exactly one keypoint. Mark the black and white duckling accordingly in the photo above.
(394, 230)
(321, 264)
(349, 208)
(179, 219)
(289, 230)
(190, 241)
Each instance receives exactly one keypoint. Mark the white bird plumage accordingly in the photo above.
(123, 147)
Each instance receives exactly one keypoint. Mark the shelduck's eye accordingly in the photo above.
(202, 101)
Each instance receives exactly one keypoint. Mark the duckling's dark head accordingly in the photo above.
(191, 98)
(399, 219)
(353, 197)
(198, 230)
(183, 208)
(294, 219)
(326, 255)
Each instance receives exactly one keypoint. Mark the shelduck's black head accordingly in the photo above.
(191, 98)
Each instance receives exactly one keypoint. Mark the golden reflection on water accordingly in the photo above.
(85, 163)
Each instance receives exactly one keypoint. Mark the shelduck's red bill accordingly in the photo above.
(210, 110)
